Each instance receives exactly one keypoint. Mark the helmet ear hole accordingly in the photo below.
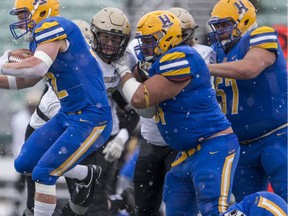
(168, 39)
(42, 14)
(246, 22)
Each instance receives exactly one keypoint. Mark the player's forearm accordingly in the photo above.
(32, 67)
(4, 82)
(26, 83)
(28, 68)
(13, 83)
(235, 70)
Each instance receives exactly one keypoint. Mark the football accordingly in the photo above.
(19, 55)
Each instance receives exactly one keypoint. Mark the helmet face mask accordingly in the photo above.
(35, 11)
(224, 32)
(100, 43)
(110, 33)
(187, 36)
(158, 31)
(234, 17)
(24, 25)
(145, 49)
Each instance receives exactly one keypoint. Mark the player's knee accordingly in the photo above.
(41, 174)
(21, 166)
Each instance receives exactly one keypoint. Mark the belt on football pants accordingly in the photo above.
(185, 155)
(246, 142)
(74, 113)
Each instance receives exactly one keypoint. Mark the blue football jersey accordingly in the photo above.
(194, 113)
(75, 75)
(255, 106)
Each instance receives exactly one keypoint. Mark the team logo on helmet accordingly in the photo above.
(165, 20)
(240, 7)
(41, 2)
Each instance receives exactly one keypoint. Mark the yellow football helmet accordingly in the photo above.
(113, 22)
(187, 23)
(85, 28)
(238, 16)
(163, 27)
(34, 11)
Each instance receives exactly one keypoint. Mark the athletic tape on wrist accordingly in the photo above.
(123, 135)
(129, 88)
(12, 82)
(45, 189)
(124, 72)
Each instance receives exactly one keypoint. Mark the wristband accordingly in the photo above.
(129, 88)
(12, 84)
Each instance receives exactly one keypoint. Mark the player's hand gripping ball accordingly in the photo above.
(19, 55)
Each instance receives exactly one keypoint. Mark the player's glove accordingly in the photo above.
(113, 150)
(143, 68)
(122, 65)
(4, 60)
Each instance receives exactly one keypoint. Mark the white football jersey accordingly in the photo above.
(49, 106)
(112, 82)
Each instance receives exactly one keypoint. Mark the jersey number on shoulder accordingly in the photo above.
(235, 94)
(61, 94)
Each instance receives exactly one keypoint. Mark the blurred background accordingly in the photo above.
(13, 102)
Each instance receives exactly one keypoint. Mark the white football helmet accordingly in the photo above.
(113, 22)
(187, 22)
(85, 29)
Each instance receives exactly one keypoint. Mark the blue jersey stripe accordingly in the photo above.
(49, 34)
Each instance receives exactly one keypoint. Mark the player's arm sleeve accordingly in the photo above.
(264, 37)
(49, 32)
(175, 67)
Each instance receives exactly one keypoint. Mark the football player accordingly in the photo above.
(110, 30)
(260, 203)
(251, 85)
(188, 117)
(83, 123)
(113, 150)
(155, 155)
